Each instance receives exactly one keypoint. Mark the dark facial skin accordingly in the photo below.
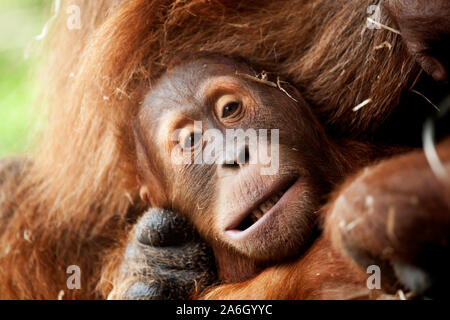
(224, 200)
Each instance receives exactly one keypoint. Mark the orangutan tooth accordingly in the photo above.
(264, 207)
(258, 214)
(270, 203)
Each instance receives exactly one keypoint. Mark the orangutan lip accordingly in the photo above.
(260, 208)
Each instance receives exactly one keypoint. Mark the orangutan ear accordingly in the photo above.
(152, 194)
(151, 189)
(144, 193)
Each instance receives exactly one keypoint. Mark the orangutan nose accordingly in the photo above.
(240, 158)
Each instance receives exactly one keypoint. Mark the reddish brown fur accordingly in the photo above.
(77, 196)
(322, 273)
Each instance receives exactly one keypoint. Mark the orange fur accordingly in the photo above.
(77, 196)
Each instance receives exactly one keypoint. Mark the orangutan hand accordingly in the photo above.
(166, 259)
(396, 215)
(425, 28)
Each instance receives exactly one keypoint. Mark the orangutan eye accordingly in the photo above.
(228, 106)
(230, 109)
(191, 140)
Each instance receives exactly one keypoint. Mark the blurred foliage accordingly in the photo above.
(20, 21)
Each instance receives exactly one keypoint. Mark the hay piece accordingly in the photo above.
(428, 100)
(416, 79)
(401, 295)
(279, 87)
(262, 78)
(28, 236)
(252, 78)
(362, 104)
(383, 26)
(385, 44)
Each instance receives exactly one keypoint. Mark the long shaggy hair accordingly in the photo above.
(74, 202)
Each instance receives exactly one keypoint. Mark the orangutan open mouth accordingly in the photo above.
(266, 204)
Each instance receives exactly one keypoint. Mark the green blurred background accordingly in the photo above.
(20, 22)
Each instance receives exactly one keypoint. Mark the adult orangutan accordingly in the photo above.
(77, 200)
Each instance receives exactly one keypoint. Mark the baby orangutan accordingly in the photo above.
(250, 219)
